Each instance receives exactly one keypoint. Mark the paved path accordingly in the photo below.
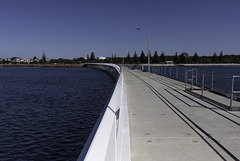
(168, 124)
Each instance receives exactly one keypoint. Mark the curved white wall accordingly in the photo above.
(110, 138)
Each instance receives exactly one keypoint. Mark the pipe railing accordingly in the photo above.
(232, 90)
(192, 75)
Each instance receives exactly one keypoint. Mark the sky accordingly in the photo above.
(75, 28)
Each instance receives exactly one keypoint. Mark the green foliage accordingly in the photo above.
(142, 58)
(135, 58)
(92, 57)
(162, 58)
(221, 59)
(183, 58)
(44, 59)
(87, 58)
(128, 59)
(176, 58)
(195, 58)
(214, 58)
(155, 58)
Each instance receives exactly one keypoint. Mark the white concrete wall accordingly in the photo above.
(110, 138)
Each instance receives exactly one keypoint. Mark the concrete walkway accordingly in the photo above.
(173, 125)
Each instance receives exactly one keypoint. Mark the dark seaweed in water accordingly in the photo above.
(48, 113)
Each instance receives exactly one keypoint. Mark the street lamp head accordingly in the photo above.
(138, 28)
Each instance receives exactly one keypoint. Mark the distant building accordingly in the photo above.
(28, 61)
(18, 60)
(102, 58)
(169, 62)
(8, 59)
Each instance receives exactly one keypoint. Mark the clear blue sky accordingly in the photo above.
(75, 28)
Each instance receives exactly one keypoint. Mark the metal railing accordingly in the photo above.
(203, 79)
(232, 89)
(194, 75)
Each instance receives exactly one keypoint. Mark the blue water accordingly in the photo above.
(48, 113)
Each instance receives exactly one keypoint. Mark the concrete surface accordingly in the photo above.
(175, 125)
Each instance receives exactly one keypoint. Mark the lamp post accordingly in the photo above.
(148, 48)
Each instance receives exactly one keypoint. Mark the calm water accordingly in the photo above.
(48, 113)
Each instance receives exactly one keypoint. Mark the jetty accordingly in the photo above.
(153, 117)
(168, 123)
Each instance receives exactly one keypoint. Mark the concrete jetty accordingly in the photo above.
(166, 123)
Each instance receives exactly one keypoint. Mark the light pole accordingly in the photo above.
(148, 48)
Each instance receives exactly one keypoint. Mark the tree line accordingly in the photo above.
(182, 58)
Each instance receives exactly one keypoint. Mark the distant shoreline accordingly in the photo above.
(233, 64)
(209, 64)
(81, 65)
(41, 65)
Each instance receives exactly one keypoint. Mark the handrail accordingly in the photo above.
(168, 71)
(110, 137)
(232, 89)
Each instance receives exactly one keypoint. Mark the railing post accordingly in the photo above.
(185, 79)
(202, 84)
(170, 71)
(232, 92)
(176, 73)
(192, 81)
(196, 75)
(212, 79)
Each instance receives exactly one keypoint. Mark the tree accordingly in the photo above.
(128, 59)
(35, 59)
(142, 58)
(44, 59)
(221, 59)
(195, 58)
(135, 58)
(176, 58)
(183, 58)
(3, 61)
(162, 58)
(155, 57)
(214, 58)
(87, 58)
(92, 57)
